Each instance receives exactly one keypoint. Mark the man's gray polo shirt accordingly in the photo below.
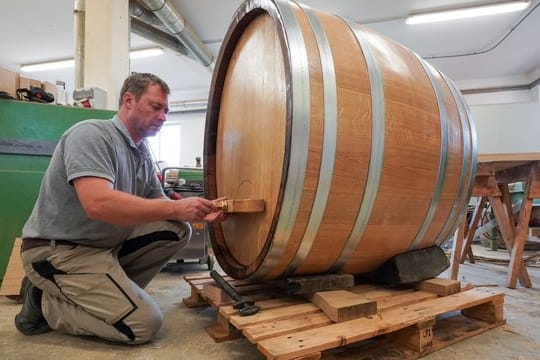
(98, 148)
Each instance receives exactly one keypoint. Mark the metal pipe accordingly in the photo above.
(136, 11)
(159, 37)
(502, 88)
(181, 30)
(79, 7)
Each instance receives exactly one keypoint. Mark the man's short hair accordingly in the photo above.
(137, 83)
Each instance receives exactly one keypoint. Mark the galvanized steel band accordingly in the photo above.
(443, 158)
(465, 166)
(474, 155)
(300, 117)
(378, 116)
(329, 142)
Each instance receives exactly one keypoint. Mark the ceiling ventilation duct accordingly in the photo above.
(176, 25)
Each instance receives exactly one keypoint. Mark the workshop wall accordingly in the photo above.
(507, 128)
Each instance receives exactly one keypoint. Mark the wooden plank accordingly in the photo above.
(273, 314)
(197, 276)
(258, 332)
(439, 286)
(241, 205)
(341, 305)
(218, 297)
(404, 299)
(11, 283)
(320, 339)
(229, 311)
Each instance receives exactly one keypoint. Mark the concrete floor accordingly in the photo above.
(183, 335)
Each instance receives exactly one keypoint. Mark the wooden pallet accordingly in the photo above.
(408, 323)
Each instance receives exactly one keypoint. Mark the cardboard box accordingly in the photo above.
(26, 83)
(9, 81)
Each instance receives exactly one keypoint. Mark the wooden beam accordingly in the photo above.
(455, 258)
(313, 283)
(517, 173)
(471, 229)
(516, 265)
(507, 233)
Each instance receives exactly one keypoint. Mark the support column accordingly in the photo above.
(106, 53)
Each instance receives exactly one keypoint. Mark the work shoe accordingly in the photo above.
(30, 320)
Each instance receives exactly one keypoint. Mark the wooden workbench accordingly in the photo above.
(495, 172)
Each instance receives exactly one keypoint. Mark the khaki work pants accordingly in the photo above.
(99, 292)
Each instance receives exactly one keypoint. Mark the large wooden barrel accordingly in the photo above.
(360, 149)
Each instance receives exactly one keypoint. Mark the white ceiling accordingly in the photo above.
(34, 31)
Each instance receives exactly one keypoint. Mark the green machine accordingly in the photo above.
(28, 135)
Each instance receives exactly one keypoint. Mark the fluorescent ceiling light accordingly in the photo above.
(67, 63)
(143, 53)
(51, 65)
(483, 10)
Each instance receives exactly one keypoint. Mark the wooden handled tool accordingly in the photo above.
(240, 205)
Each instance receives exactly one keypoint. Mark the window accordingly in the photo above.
(165, 146)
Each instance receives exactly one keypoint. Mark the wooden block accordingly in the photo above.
(418, 337)
(440, 286)
(314, 283)
(491, 312)
(195, 299)
(11, 283)
(221, 330)
(341, 305)
(215, 294)
(241, 205)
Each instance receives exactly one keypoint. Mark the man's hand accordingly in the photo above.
(198, 209)
(215, 217)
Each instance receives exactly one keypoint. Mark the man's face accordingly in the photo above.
(148, 114)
